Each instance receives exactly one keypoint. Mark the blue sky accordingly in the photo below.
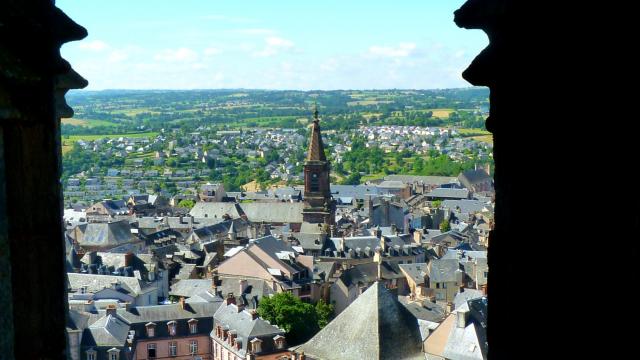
(270, 44)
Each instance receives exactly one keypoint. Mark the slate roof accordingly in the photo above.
(428, 180)
(354, 191)
(462, 298)
(443, 270)
(215, 210)
(368, 273)
(391, 184)
(255, 290)
(105, 234)
(374, 326)
(96, 283)
(474, 176)
(109, 330)
(415, 271)
(465, 255)
(424, 309)
(469, 342)
(309, 241)
(449, 193)
(190, 287)
(279, 212)
(244, 325)
(466, 206)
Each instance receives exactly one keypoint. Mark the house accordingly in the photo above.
(416, 275)
(274, 213)
(383, 211)
(216, 210)
(212, 193)
(114, 236)
(366, 249)
(447, 194)
(474, 264)
(276, 262)
(108, 207)
(356, 279)
(178, 330)
(395, 188)
(375, 326)
(445, 276)
(141, 266)
(462, 336)
(476, 180)
(117, 289)
(241, 334)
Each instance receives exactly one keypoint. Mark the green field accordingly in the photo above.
(473, 132)
(484, 138)
(87, 122)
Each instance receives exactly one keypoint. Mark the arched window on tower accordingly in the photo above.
(315, 182)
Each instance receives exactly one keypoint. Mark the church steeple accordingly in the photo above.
(319, 206)
(316, 148)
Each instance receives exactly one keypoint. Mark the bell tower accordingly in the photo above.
(319, 205)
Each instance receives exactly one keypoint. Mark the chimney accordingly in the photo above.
(128, 259)
(461, 319)
(111, 309)
(450, 307)
(230, 299)
(243, 285)
(181, 302)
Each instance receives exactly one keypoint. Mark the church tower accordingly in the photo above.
(319, 205)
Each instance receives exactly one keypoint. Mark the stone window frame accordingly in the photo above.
(193, 326)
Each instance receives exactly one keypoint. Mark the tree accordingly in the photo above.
(187, 203)
(353, 179)
(445, 226)
(324, 312)
(298, 319)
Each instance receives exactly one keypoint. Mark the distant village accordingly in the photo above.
(187, 162)
(402, 260)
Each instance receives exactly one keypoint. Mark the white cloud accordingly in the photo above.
(95, 45)
(274, 45)
(117, 56)
(177, 55)
(402, 50)
(212, 51)
(254, 31)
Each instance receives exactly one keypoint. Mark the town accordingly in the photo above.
(164, 261)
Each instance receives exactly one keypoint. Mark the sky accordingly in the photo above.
(270, 44)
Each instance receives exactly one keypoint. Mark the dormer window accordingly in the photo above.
(193, 326)
(91, 354)
(256, 345)
(279, 341)
(114, 354)
(172, 328)
(151, 329)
